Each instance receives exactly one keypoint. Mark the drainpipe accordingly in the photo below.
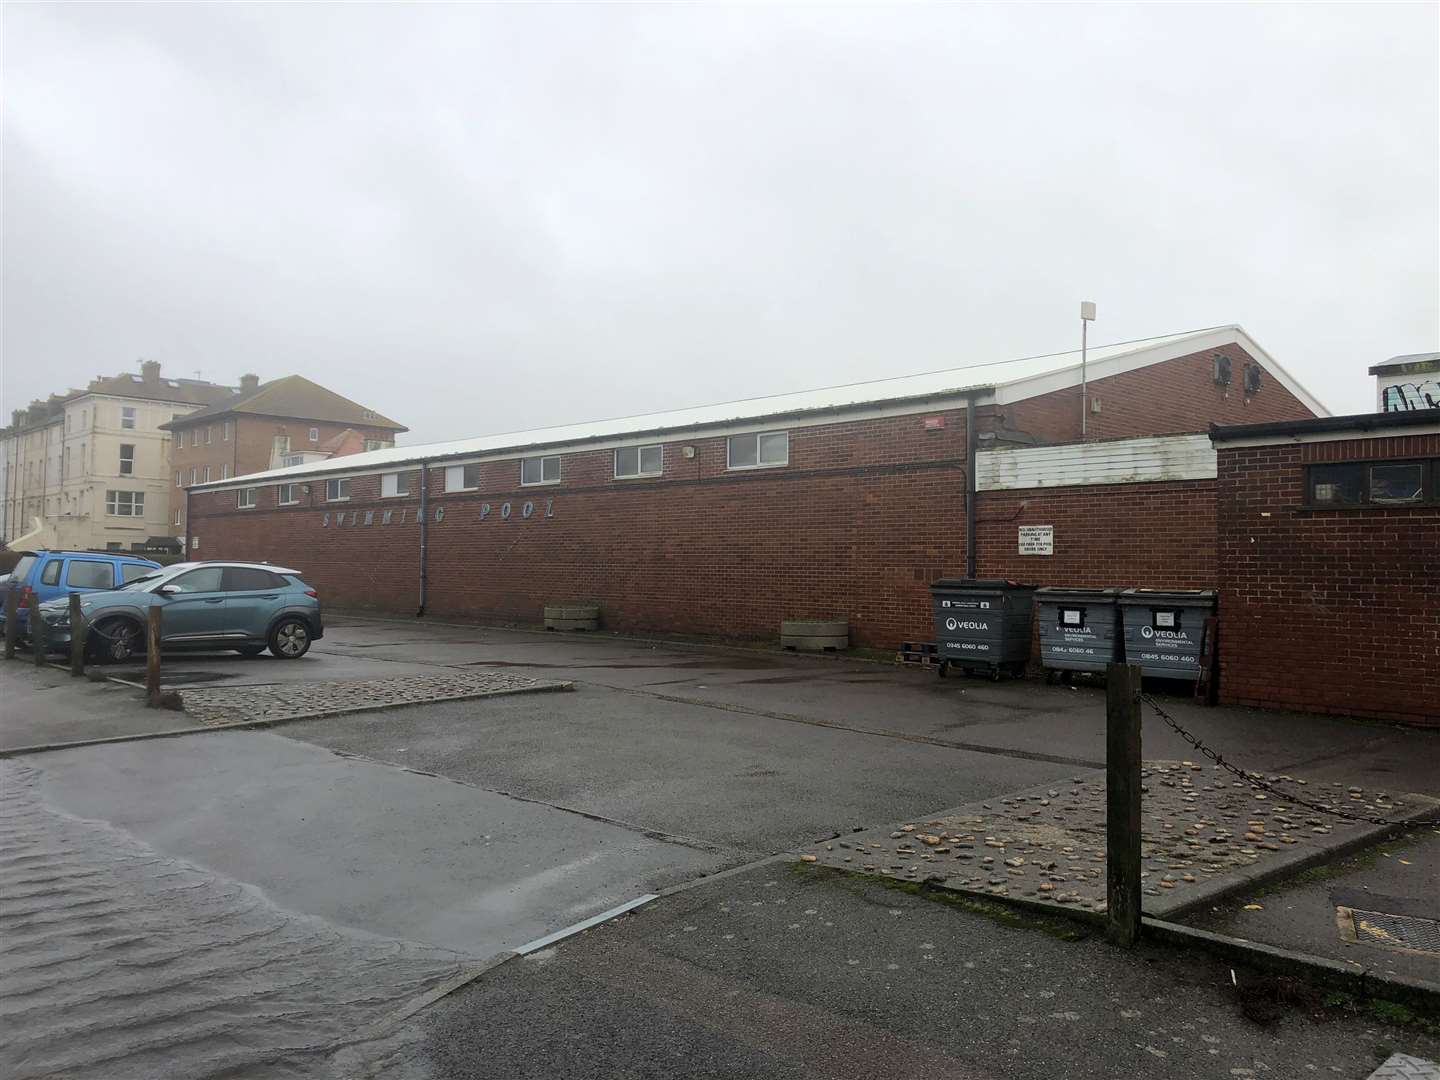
(186, 553)
(424, 533)
(970, 444)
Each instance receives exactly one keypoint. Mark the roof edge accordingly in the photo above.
(1358, 422)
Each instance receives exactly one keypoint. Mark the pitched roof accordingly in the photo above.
(293, 397)
(1000, 382)
(184, 391)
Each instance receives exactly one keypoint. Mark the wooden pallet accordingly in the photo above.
(924, 653)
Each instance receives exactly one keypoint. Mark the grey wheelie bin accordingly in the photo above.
(1079, 629)
(1164, 630)
(982, 626)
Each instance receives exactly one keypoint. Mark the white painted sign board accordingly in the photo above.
(1037, 539)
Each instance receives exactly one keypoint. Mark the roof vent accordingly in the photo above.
(1252, 378)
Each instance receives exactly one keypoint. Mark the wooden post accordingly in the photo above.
(1122, 803)
(77, 637)
(38, 643)
(152, 656)
(12, 621)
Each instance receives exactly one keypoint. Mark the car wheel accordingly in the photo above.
(251, 650)
(117, 640)
(290, 639)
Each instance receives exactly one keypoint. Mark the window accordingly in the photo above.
(287, 494)
(394, 483)
(758, 451)
(540, 470)
(1373, 483)
(205, 579)
(251, 579)
(114, 545)
(179, 478)
(337, 490)
(127, 418)
(246, 499)
(133, 571)
(207, 474)
(282, 445)
(194, 474)
(179, 440)
(125, 503)
(638, 461)
(51, 574)
(225, 430)
(462, 477)
(225, 472)
(127, 459)
(292, 459)
(177, 516)
(314, 434)
(209, 434)
(377, 444)
(89, 574)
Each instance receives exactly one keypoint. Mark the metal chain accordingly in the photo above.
(1259, 781)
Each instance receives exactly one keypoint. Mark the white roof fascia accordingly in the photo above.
(400, 459)
(1354, 435)
(1065, 378)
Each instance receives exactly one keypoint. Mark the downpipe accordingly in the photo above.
(971, 442)
(424, 536)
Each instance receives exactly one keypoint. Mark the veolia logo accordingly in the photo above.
(1150, 632)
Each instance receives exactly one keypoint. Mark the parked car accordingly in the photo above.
(44, 575)
(248, 607)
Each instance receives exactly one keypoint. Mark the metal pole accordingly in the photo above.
(970, 467)
(1084, 389)
(1122, 803)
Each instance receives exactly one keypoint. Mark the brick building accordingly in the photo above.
(1329, 564)
(721, 521)
(285, 422)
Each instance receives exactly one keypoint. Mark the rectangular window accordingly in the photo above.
(179, 478)
(1373, 483)
(462, 477)
(209, 434)
(194, 474)
(114, 545)
(337, 490)
(179, 440)
(125, 503)
(207, 474)
(225, 429)
(376, 444)
(127, 418)
(639, 461)
(393, 484)
(245, 499)
(314, 434)
(761, 450)
(177, 516)
(127, 459)
(89, 574)
(224, 472)
(287, 494)
(540, 470)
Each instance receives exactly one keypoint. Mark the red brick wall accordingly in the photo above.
(1155, 536)
(1162, 399)
(1327, 610)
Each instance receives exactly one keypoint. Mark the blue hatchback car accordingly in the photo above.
(46, 575)
(248, 607)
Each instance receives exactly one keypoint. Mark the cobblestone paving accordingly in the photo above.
(292, 701)
(117, 961)
(1048, 844)
(1405, 1067)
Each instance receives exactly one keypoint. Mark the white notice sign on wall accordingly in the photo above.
(1037, 539)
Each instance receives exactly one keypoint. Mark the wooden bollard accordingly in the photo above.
(77, 637)
(152, 657)
(12, 621)
(1122, 803)
(38, 642)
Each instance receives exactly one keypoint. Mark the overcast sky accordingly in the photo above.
(479, 219)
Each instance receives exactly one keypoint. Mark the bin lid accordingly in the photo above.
(1181, 597)
(978, 585)
(1059, 592)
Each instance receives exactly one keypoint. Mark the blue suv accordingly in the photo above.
(45, 575)
(248, 607)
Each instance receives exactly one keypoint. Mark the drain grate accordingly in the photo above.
(1394, 931)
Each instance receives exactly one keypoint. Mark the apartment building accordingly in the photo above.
(91, 468)
(287, 421)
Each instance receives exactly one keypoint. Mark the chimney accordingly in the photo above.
(249, 383)
(150, 370)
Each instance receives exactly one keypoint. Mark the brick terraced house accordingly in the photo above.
(845, 502)
(285, 422)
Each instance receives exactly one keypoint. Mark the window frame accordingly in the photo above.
(124, 461)
(640, 473)
(460, 471)
(314, 434)
(240, 503)
(70, 565)
(338, 480)
(542, 458)
(280, 499)
(1429, 484)
(757, 436)
(136, 503)
(396, 478)
(225, 429)
(128, 418)
(180, 439)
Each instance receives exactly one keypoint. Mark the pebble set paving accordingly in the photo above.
(1048, 843)
(293, 701)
